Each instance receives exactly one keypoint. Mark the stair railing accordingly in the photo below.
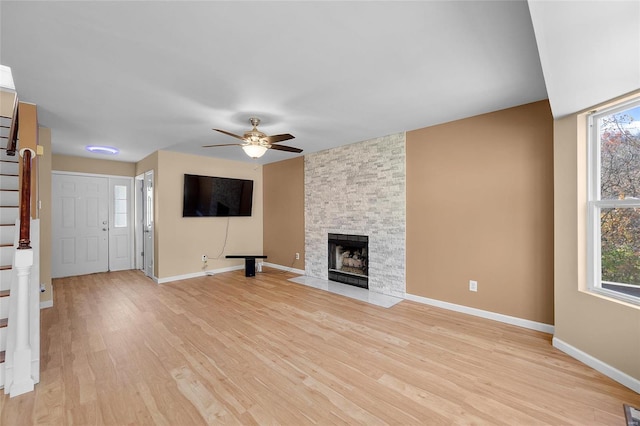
(24, 242)
(21, 379)
(12, 139)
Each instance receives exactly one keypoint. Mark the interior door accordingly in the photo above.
(120, 224)
(80, 223)
(148, 224)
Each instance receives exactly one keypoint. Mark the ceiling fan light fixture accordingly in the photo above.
(254, 151)
(255, 143)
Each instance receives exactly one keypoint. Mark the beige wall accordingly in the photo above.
(68, 163)
(284, 212)
(603, 328)
(44, 213)
(146, 164)
(480, 207)
(182, 241)
(7, 99)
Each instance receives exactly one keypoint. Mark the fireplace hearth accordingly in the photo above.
(349, 259)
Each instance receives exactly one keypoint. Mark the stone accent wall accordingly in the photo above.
(359, 189)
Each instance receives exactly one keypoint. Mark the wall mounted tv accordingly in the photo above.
(216, 196)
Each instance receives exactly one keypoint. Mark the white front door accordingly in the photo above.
(92, 224)
(80, 216)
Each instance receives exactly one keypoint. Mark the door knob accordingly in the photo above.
(104, 229)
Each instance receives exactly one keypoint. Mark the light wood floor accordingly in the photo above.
(119, 349)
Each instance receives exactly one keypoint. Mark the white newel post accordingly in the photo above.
(22, 378)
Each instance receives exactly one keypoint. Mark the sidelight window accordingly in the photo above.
(120, 206)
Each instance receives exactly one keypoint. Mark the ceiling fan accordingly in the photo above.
(257, 143)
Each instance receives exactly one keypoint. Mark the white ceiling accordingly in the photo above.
(144, 76)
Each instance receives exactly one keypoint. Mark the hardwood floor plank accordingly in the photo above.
(211, 410)
(117, 348)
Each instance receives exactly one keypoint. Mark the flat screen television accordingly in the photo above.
(216, 196)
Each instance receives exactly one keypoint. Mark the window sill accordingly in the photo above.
(613, 296)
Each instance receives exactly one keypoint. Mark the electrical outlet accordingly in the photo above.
(473, 285)
(297, 256)
(204, 258)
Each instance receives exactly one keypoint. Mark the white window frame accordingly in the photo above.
(595, 204)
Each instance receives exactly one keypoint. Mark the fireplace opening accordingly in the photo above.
(349, 259)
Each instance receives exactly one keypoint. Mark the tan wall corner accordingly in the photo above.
(480, 207)
(284, 212)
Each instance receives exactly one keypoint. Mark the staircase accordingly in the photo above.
(19, 247)
(9, 196)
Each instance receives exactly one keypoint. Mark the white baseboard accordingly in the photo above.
(609, 371)
(284, 268)
(533, 325)
(220, 270)
(48, 303)
(197, 274)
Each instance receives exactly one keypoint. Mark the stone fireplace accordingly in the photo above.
(348, 259)
(359, 189)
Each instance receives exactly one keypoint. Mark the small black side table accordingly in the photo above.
(249, 262)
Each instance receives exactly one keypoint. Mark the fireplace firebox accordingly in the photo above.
(349, 259)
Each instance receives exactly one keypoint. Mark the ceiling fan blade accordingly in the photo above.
(279, 138)
(286, 148)
(224, 144)
(230, 134)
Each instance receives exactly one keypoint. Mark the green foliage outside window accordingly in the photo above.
(620, 180)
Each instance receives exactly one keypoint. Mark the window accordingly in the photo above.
(614, 202)
(120, 206)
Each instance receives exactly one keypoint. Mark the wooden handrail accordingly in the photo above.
(25, 201)
(12, 143)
